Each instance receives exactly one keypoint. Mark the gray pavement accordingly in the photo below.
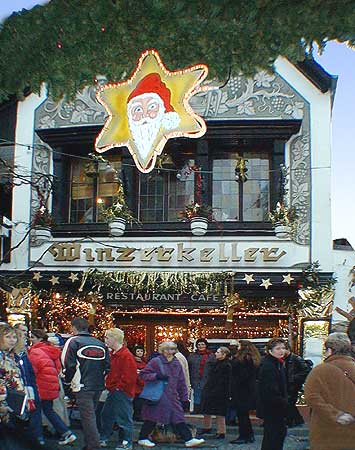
(297, 439)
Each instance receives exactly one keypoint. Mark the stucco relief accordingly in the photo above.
(266, 96)
(40, 165)
(84, 110)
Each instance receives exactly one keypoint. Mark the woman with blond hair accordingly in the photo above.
(244, 373)
(330, 392)
(34, 403)
(216, 393)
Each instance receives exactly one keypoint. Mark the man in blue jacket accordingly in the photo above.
(86, 362)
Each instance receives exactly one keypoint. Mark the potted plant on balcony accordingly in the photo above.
(42, 224)
(198, 215)
(283, 219)
(117, 217)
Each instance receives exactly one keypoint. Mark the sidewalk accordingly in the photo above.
(297, 439)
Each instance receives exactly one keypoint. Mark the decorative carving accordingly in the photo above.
(85, 109)
(40, 165)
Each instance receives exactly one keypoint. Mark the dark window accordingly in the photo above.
(162, 196)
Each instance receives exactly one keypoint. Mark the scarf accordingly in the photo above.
(10, 372)
(205, 354)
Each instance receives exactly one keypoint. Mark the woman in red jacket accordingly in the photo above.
(45, 359)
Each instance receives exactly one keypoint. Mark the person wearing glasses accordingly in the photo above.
(330, 393)
(169, 410)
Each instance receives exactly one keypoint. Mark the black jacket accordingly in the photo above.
(217, 390)
(296, 372)
(244, 375)
(272, 389)
(86, 361)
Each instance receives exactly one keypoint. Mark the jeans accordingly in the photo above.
(180, 428)
(35, 423)
(54, 419)
(87, 402)
(118, 409)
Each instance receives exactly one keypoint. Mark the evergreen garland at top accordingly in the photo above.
(67, 42)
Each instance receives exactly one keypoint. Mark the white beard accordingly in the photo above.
(144, 134)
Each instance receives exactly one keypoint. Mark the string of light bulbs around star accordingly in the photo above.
(248, 278)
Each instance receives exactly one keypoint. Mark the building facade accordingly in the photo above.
(158, 280)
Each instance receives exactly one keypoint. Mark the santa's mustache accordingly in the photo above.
(145, 121)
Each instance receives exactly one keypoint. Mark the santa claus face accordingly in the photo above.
(145, 114)
(143, 108)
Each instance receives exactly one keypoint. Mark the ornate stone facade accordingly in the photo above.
(266, 96)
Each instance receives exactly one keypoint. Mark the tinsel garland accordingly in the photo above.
(67, 43)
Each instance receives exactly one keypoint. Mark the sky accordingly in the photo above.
(339, 60)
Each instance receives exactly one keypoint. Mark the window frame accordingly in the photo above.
(248, 148)
(78, 140)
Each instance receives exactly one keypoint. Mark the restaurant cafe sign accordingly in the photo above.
(155, 299)
(189, 254)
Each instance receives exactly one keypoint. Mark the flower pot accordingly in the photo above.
(42, 234)
(282, 231)
(117, 227)
(199, 226)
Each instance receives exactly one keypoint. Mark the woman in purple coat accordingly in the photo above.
(169, 409)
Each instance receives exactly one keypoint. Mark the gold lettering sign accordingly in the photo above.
(224, 253)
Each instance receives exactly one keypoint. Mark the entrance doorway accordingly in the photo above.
(151, 329)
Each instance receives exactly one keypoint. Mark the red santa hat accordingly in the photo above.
(152, 84)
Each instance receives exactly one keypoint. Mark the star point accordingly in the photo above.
(54, 280)
(266, 283)
(150, 108)
(73, 277)
(287, 278)
(249, 278)
(37, 276)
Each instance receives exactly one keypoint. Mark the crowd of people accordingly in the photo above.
(112, 386)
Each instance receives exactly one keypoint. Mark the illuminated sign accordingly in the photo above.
(150, 108)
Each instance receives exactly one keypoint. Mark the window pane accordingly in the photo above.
(162, 195)
(82, 187)
(256, 190)
(225, 190)
(256, 198)
(108, 177)
(181, 193)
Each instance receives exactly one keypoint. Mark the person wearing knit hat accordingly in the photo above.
(149, 111)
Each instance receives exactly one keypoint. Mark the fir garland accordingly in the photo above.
(66, 43)
(160, 282)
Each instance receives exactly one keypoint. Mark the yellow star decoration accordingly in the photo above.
(116, 97)
(266, 283)
(287, 278)
(54, 280)
(73, 277)
(249, 278)
(37, 276)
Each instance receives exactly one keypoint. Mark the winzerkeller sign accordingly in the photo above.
(190, 254)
